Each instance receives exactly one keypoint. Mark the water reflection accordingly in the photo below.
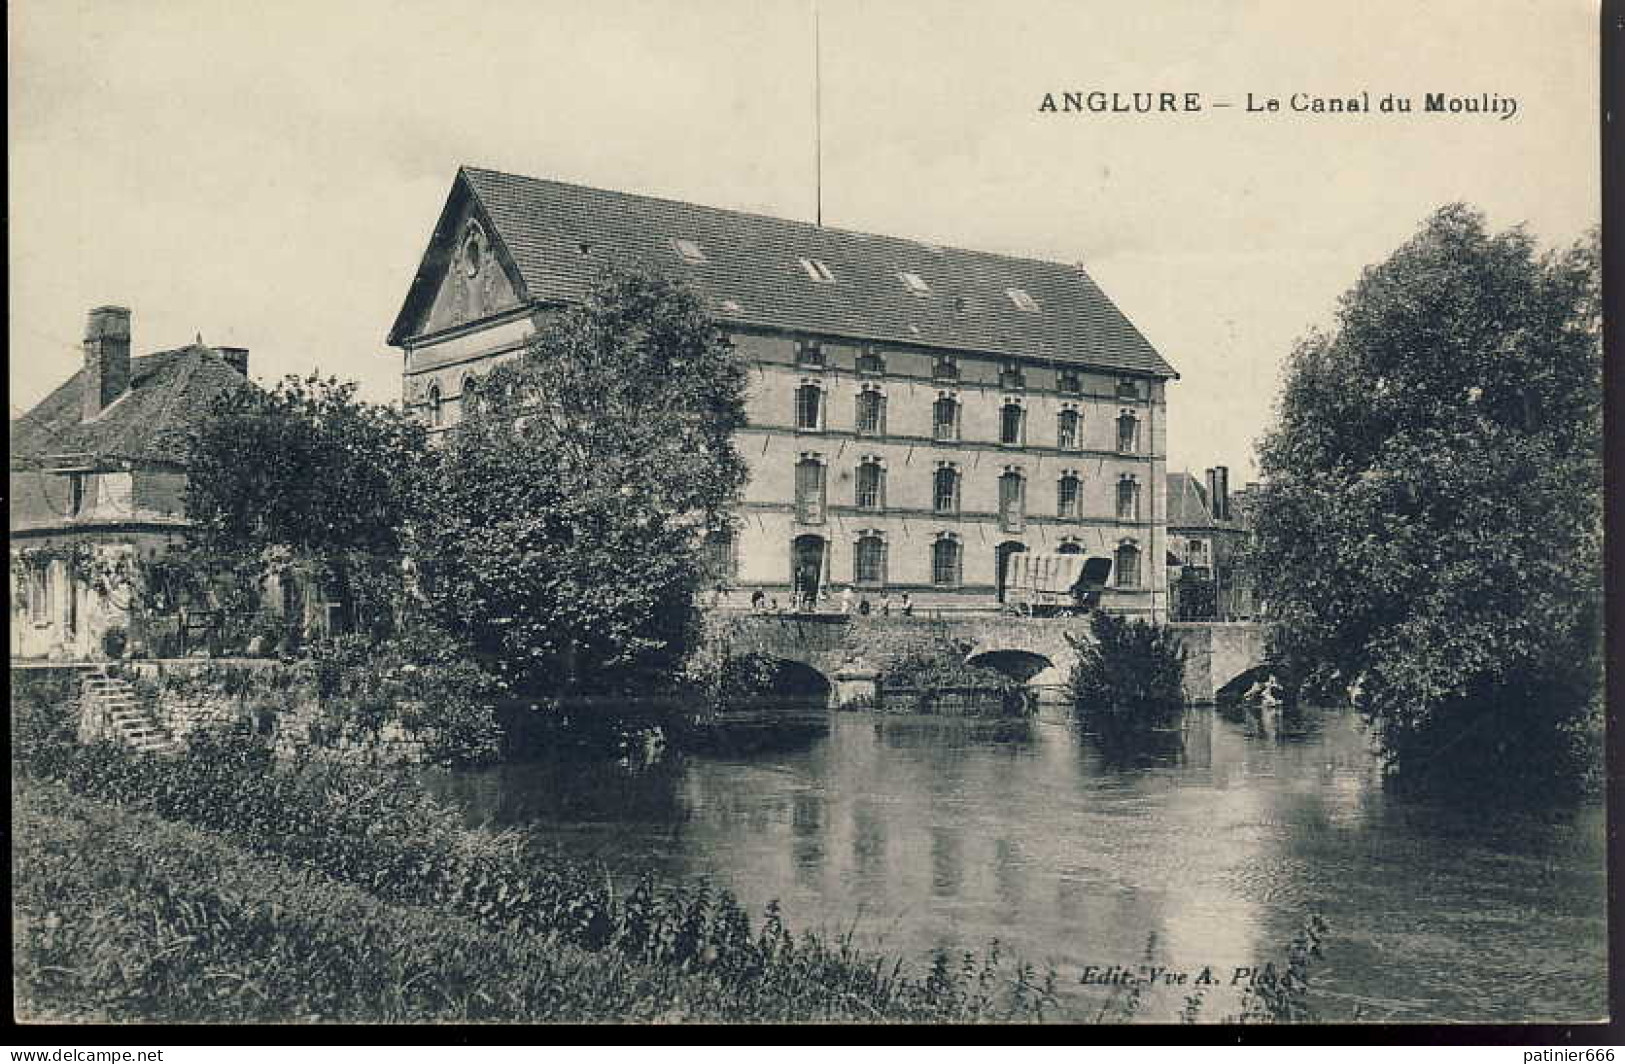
(924, 833)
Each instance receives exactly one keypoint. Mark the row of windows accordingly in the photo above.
(811, 354)
(870, 420)
(870, 493)
(437, 403)
(871, 557)
(871, 405)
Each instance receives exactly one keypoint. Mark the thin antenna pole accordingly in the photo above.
(818, 124)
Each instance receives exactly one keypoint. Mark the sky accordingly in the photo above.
(267, 176)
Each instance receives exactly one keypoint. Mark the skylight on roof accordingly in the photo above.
(817, 271)
(689, 251)
(1021, 299)
(914, 283)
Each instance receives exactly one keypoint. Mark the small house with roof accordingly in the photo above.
(1208, 530)
(917, 413)
(98, 472)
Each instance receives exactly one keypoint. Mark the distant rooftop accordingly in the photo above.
(169, 390)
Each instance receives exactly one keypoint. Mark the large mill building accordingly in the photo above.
(916, 413)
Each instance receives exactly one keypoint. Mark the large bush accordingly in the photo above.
(1429, 528)
(1129, 677)
(563, 537)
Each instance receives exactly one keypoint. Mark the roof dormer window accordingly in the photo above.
(914, 283)
(1021, 299)
(689, 252)
(816, 270)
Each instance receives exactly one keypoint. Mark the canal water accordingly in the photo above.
(922, 833)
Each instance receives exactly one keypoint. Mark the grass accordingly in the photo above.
(221, 886)
(121, 916)
(215, 887)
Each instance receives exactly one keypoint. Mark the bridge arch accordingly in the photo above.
(1019, 664)
(1233, 689)
(792, 677)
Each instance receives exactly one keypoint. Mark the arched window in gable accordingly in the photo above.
(437, 412)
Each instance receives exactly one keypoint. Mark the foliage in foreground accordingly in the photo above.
(564, 534)
(379, 832)
(1429, 529)
(1129, 678)
(306, 480)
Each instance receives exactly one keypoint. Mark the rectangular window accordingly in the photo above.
(1012, 502)
(1128, 434)
(1066, 503)
(1012, 378)
(810, 492)
(945, 419)
(869, 568)
(871, 481)
(1128, 500)
(809, 353)
(1128, 567)
(39, 593)
(1011, 420)
(945, 494)
(945, 563)
(871, 419)
(76, 494)
(1069, 383)
(1066, 432)
(1128, 389)
(809, 407)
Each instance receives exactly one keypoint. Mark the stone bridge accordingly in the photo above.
(845, 652)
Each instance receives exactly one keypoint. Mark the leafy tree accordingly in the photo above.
(306, 476)
(563, 535)
(1429, 526)
(1130, 678)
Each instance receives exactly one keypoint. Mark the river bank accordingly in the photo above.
(216, 885)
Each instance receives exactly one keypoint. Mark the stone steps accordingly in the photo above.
(129, 720)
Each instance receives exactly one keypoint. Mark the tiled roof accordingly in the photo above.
(149, 424)
(558, 235)
(1187, 502)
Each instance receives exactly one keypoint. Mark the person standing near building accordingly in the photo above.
(846, 599)
(907, 605)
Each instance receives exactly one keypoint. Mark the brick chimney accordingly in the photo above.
(107, 358)
(1211, 477)
(1221, 505)
(236, 358)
